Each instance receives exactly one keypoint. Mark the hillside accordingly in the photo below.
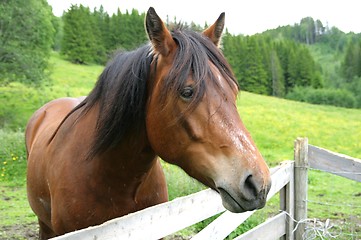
(336, 55)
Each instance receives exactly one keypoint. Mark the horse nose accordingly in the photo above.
(255, 188)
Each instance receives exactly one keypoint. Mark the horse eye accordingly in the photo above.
(187, 93)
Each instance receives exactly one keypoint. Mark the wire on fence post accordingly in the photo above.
(301, 167)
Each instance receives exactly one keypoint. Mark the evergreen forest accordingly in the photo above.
(308, 61)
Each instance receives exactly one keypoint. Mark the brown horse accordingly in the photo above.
(94, 159)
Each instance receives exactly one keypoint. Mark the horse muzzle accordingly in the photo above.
(249, 196)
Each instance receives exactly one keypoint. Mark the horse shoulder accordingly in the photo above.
(46, 120)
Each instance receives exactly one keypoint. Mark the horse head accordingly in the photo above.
(192, 119)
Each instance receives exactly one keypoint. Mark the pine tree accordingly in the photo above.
(305, 69)
(79, 41)
(99, 30)
(278, 81)
(115, 31)
(234, 49)
(255, 76)
(288, 58)
(351, 65)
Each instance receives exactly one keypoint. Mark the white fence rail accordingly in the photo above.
(164, 219)
(335, 163)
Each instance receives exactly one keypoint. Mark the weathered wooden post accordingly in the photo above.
(301, 168)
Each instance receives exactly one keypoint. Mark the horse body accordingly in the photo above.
(67, 200)
(96, 158)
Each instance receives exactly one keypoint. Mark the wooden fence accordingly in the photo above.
(291, 176)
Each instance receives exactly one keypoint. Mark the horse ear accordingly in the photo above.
(214, 32)
(158, 33)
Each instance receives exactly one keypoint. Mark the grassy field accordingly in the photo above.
(274, 124)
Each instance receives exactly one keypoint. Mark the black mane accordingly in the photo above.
(121, 89)
(120, 93)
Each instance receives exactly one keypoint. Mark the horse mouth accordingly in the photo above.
(229, 202)
(238, 205)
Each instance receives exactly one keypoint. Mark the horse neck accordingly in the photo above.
(133, 153)
(131, 157)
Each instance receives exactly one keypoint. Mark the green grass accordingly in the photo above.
(14, 206)
(72, 80)
(12, 158)
(273, 123)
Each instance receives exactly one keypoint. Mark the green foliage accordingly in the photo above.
(334, 38)
(310, 31)
(327, 96)
(89, 37)
(307, 55)
(329, 62)
(79, 41)
(351, 65)
(26, 38)
(334, 61)
(255, 75)
(270, 67)
(58, 34)
(277, 75)
(127, 30)
(355, 87)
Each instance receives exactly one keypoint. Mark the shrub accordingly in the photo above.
(355, 88)
(325, 96)
(26, 37)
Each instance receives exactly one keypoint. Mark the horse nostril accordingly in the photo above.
(252, 189)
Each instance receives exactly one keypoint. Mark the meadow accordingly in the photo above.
(273, 123)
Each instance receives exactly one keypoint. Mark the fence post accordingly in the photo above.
(301, 167)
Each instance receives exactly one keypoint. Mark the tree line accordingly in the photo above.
(270, 67)
(260, 64)
(342, 86)
(90, 36)
(309, 32)
(275, 62)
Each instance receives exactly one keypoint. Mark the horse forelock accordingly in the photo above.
(121, 89)
(194, 54)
